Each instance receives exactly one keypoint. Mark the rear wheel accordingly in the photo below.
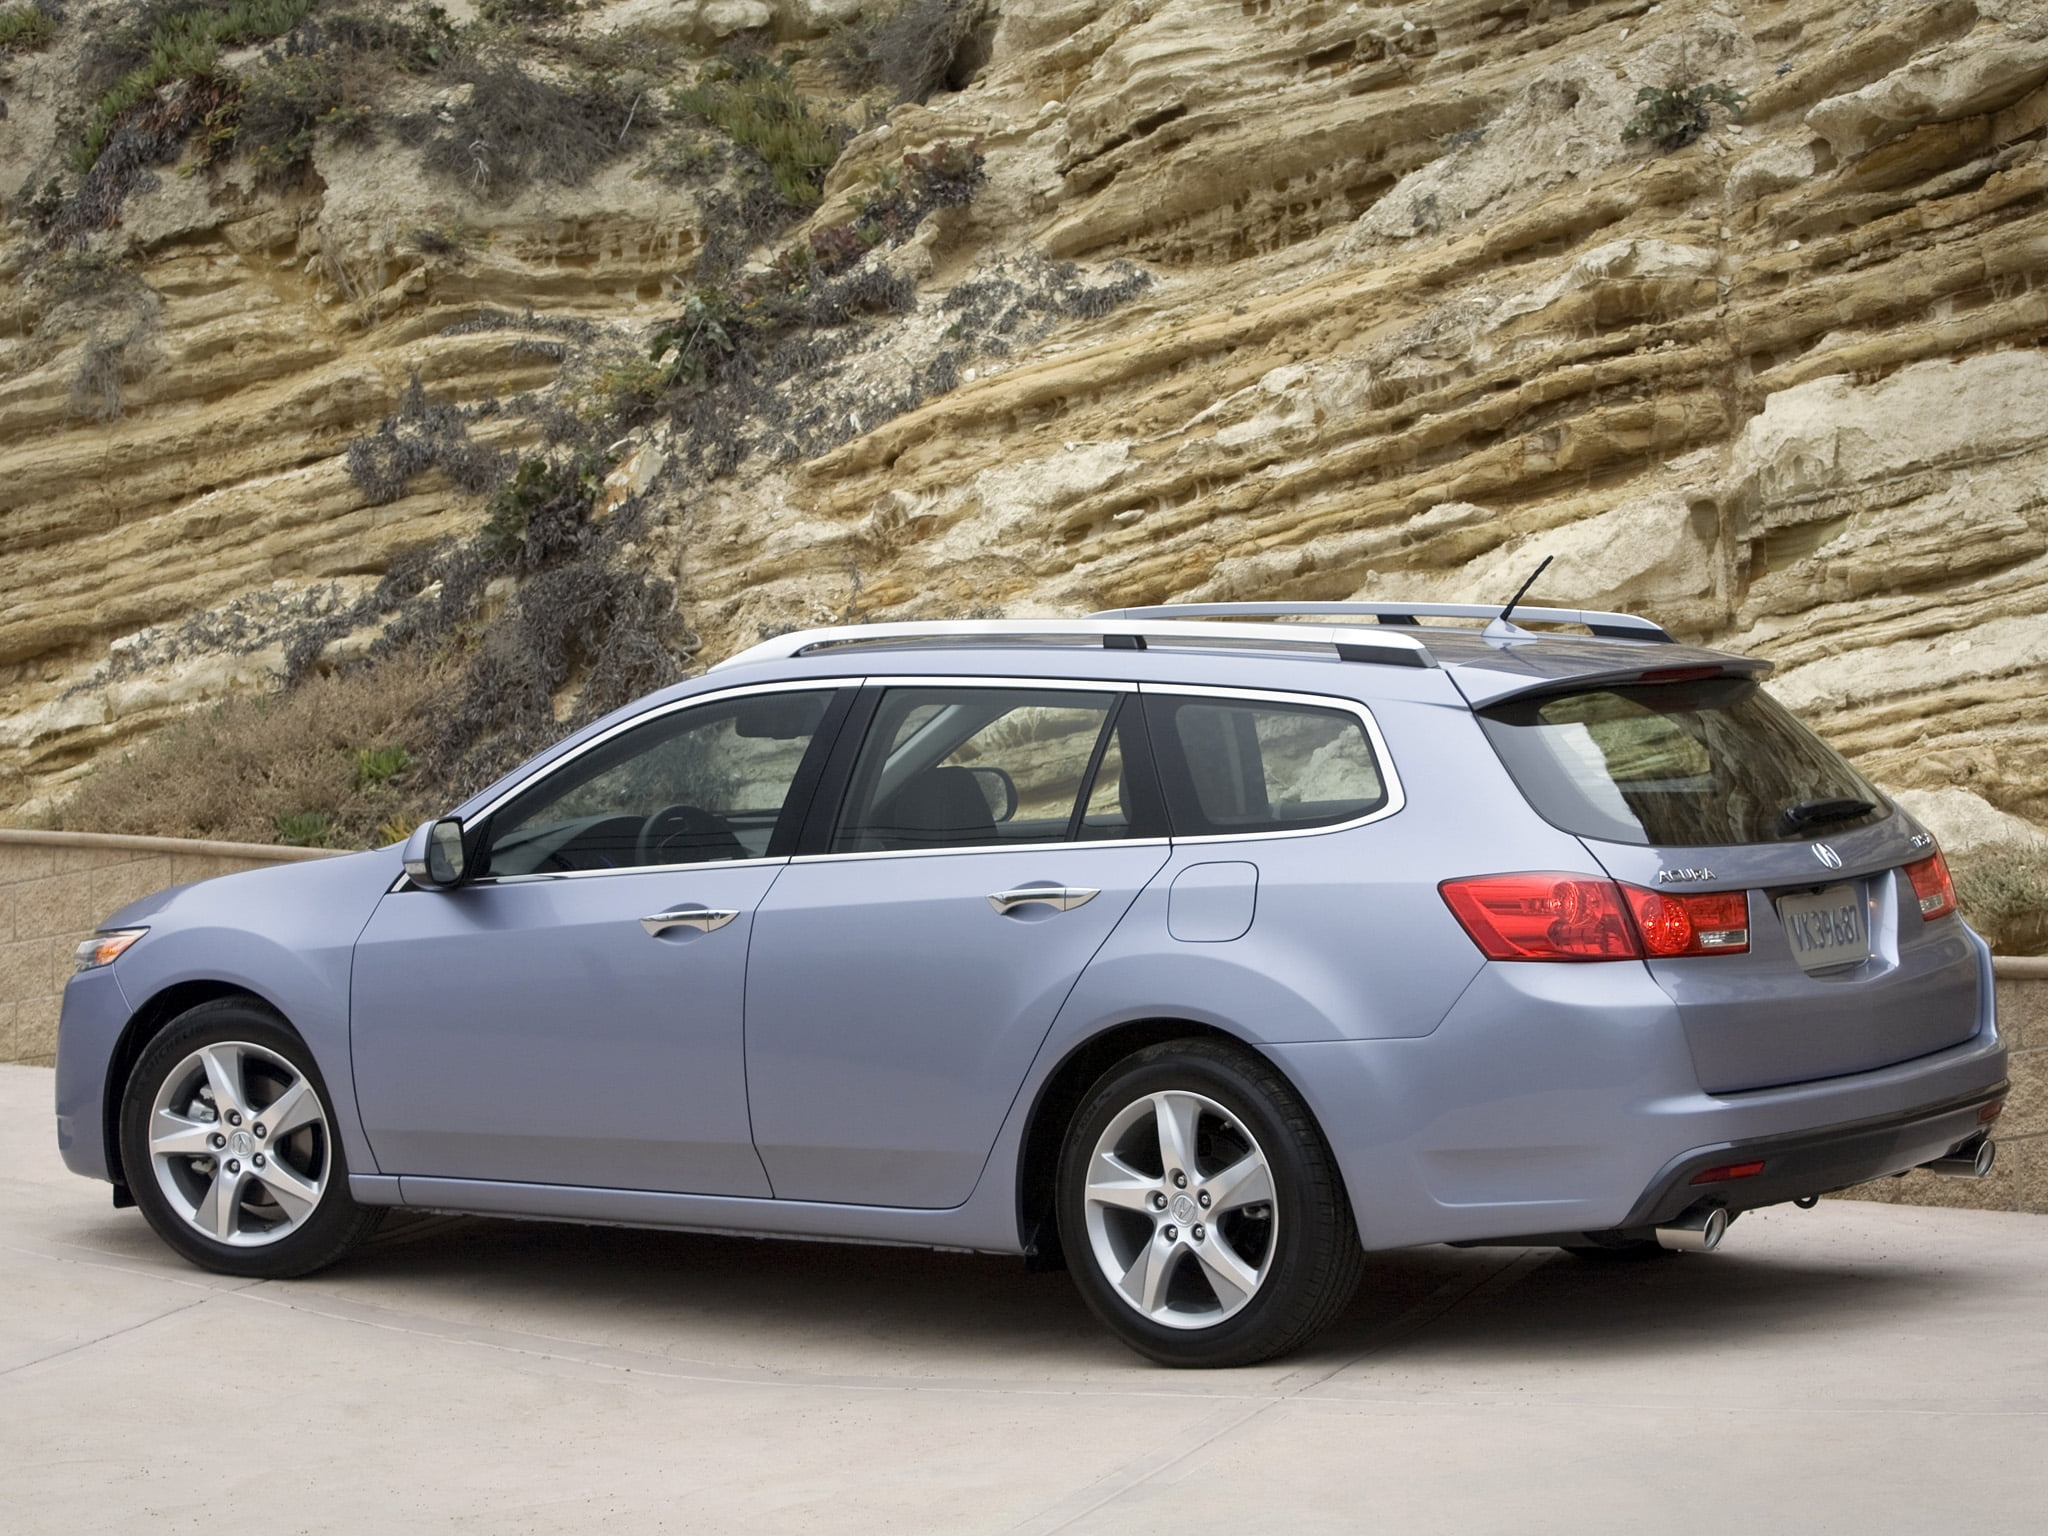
(1201, 1212)
(227, 1137)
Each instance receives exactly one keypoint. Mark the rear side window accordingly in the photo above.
(1233, 767)
(965, 767)
(1678, 765)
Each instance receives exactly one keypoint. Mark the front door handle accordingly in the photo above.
(703, 919)
(1064, 898)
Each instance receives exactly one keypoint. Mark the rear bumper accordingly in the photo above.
(1563, 1099)
(1815, 1162)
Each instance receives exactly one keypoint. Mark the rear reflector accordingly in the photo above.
(1549, 915)
(1931, 884)
(1990, 1112)
(1730, 1171)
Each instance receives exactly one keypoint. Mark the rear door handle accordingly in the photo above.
(1063, 898)
(703, 919)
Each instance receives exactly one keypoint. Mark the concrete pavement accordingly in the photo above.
(1857, 1368)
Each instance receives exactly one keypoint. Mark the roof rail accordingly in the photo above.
(1349, 642)
(1613, 626)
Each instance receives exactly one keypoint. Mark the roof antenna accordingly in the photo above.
(1501, 626)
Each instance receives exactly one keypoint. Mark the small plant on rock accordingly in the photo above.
(1672, 117)
(26, 29)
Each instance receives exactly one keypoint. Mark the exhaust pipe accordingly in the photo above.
(1699, 1230)
(1972, 1160)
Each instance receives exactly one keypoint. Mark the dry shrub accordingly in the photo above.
(2003, 891)
(267, 769)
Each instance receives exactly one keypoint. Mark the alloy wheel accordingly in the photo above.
(1180, 1210)
(239, 1144)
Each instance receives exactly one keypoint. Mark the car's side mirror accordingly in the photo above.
(434, 856)
(999, 790)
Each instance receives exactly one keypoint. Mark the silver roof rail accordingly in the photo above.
(1350, 642)
(1612, 626)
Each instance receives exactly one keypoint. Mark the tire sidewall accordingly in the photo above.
(1270, 1321)
(337, 1221)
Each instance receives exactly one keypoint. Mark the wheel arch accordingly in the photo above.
(144, 1025)
(1060, 1095)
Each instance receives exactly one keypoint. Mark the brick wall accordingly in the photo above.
(55, 886)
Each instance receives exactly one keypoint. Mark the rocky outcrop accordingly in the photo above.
(1421, 314)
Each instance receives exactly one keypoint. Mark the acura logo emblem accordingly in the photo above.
(1827, 855)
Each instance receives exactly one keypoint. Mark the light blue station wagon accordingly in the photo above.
(1196, 950)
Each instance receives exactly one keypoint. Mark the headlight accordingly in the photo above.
(104, 948)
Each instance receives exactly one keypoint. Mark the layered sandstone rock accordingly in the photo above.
(1420, 315)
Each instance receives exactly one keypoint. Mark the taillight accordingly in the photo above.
(1932, 885)
(1707, 923)
(1543, 917)
(1546, 915)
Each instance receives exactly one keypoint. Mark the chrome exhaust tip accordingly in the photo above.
(1697, 1231)
(1972, 1160)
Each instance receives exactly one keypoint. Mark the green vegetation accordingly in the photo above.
(753, 100)
(182, 45)
(303, 829)
(26, 29)
(538, 515)
(378, 765)
(1674, 117)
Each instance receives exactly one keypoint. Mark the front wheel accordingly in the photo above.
(228, 1142)
(1201, 1212)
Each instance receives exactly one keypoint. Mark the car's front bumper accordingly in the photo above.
(96, 1011)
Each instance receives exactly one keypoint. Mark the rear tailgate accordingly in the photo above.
(1690, 782)
(1763, 1019)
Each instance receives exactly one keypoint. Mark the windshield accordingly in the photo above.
(1706, 763)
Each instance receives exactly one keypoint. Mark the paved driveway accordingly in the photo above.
(1858, 1368)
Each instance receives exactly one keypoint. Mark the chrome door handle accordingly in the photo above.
(1062, 897)
(703, 919)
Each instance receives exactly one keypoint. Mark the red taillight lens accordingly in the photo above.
(1932, 885)
(1553, 916)
(1542, 916)
(1710, 923)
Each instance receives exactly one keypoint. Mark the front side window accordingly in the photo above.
(701, 785)
(1705, 763)
(1237, 767)
(959, 767)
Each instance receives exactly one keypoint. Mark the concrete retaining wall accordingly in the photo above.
(54, 886)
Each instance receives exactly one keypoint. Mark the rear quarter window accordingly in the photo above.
(1231, 767)
(1708, 763)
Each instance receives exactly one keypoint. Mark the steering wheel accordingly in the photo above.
(686, 834)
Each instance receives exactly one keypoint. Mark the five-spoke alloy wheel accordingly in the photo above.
(229, 1146)
(1200, 1210)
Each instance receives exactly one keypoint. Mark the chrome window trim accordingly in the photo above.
(675, 706)
(1397, 797)
(540, 876)
(978, 849)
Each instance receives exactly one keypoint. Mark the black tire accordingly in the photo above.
(1311, 1256)
(311, 1238)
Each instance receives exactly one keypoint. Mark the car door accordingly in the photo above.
(988, 838)
(573, 1015)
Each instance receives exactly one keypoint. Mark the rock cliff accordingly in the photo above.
(1390, 299)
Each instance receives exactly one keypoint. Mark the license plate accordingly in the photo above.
(1826, 928)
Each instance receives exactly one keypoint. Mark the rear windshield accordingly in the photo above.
(1679, 765)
